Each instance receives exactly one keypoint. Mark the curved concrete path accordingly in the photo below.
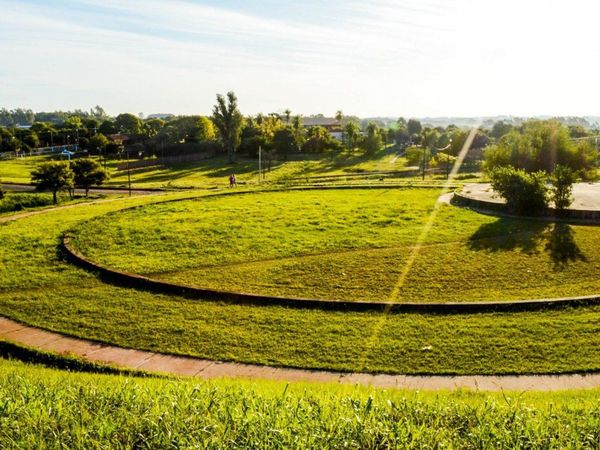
(189, 366)
(586, 196)
(203, 368)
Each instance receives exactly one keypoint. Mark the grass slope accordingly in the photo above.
(215, 171)
(346, 245)
(43, 408)
(39, 288)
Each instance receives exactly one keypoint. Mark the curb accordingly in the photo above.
(162, 287)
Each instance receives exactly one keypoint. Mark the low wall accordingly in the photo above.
(460, 199)
(140, 282)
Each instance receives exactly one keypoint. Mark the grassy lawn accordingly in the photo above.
(48, 408)
(346, 245)
(215, 171)
(39, 288)
(18, 170)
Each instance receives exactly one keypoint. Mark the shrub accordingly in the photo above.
(562, 187)
(19, 201)
(525, 193)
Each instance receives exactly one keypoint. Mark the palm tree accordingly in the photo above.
(229, 121)
(287, 113)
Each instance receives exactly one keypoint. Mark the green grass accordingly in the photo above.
(39, 288)
(18, 170)
(44, 408)
(346, 245)
(19, 201)
(215, 171)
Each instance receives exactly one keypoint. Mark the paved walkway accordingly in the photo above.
(203, 368)
(586, 195)
(188, 366)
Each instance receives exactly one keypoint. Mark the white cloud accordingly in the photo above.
(409, 57)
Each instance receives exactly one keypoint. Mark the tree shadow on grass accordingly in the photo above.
(561, 246)
(530, 237)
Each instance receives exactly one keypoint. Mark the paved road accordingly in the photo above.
(96, 191)
(586, 195)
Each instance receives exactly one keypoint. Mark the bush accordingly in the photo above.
(1, 192)
(562, 187)
(525, 193)
(19, 201)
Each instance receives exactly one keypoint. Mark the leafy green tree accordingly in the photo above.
(152, 127)
(128, 123)
(414, 127)
(284, 141)
(229, 121)
(500, 128)
(108, 127)
(539, 145)
(317, 141)
(524, 192)
(372, 142)
(351, 134)
(204, 130)
(88, 172)
(31, 139)
(401, 133)
(8, 142)
(561, 191)
(98, 142)
(287, 114)
(53, 176)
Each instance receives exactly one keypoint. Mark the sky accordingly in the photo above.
(410, 58)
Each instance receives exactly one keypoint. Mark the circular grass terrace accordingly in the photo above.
(38, 287)
(345, 245)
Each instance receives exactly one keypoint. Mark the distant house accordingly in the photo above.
(118, 138)
(329, 123)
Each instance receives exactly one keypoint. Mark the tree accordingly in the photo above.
(562, 188)
(525, 193)
(98, 142)
(539, 145)
(53, 176)
(204, 130)
(152, 127)
(372, 141)
(317, 140)
(88, 172)
(229, 121)
(128, 123)
(108, 127)
(500, 128)
(287, 114)
(351, 134)
(414, 127)
(284, 141)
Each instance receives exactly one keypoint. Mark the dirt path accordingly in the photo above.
(202, 368)
(188, 366)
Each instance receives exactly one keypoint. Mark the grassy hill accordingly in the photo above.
(47, 408)
(215, 171)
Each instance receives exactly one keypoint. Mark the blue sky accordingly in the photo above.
(373, 57)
